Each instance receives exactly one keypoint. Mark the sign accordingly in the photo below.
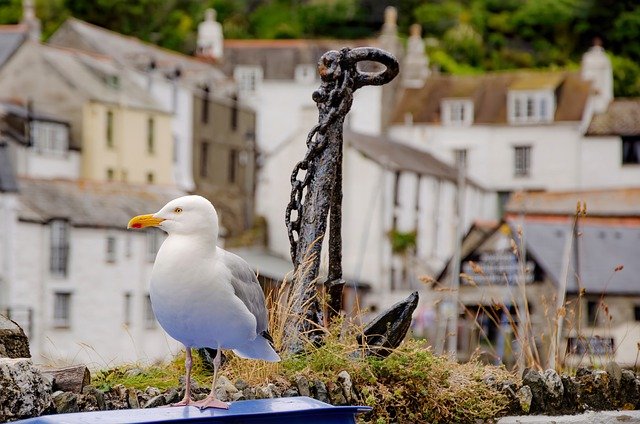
(498, 268)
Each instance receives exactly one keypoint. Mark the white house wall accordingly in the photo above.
(30, 163)
(601, 164)
(97, 289)
(490, 152)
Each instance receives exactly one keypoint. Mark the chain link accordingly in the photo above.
(333, 97)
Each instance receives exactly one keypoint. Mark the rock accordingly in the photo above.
(291, 392)
(570, 401)
(615, 372)
(24, 392)
(65, 402)
(554, 390)
(132, 399)
(172, 396)
(225, 389)
(249, 393)
(629, 390)
(97, 395)
(593, 390)
(241, 384)
(534, 380)
(155, 401)
(303, 385)
(237, 396)
(152, 391)
(69, 379)
(525, 397)
(336, 395)
(344, 379)
(265, 392)
(194, 384)
(13, 341)
(320, 391)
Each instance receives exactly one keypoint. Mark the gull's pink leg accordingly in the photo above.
(211, 401)
(186, 400)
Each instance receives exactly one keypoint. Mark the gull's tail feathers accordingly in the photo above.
(258, 348)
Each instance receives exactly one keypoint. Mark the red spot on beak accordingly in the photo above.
(136, 225)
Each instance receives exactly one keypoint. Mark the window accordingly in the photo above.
(149, 316)
(457, 112)
(111, 249)
(636, 312)
(153, 244)
(204, 159)
(233, 165)
(234, 113)
(592, 345)
(248, 78)
(109, 129)
(593, 313)
(128, 245)
(204, 117)
(110, 174)
(150, 177)
(530, 107)
(631, 150)
(59, 255)
(522, 161)
(49, 138)
(150, 136)
(127, 309)
(61, 309)
(460, 156)
(305, 73)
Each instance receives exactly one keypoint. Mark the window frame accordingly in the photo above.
(109, 129)
(149, 317)
(531, 106)
(457, 112)
(111, 249)
(59, 241)
(62, 309)
(522, 164)
(151, 148)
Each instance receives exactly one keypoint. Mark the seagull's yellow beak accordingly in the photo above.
(143, 221)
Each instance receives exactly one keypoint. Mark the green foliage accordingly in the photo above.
(402, 242)
(626, 77)
(473, 34)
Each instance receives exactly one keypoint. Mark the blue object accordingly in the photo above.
(292, 410)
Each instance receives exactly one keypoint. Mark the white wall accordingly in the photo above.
(43, 165)
(97, 335)
(601, 164)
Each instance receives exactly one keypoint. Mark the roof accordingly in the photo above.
(279, 58)
(400, 157)
(11, 37)
(266, 263)
(133, 52)
(19, 111)
(88, 203)
(601, 249)
(489, 95)
(621, 118)
(8, 182)
(98, 77)
(609, 202)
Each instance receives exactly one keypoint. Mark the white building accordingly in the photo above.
(171, 78)
(526, 130)
(74, 278)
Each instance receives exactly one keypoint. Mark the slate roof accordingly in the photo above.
(279, 58)
(133, 52)
(489, 95)
(400, 157)
(601, 248)
(11, 37)
(609, 202)
(95, 76)
(89, 203)
(621, 118)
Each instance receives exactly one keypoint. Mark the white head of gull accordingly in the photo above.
(202, 295)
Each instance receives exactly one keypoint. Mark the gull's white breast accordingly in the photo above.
(193, 299)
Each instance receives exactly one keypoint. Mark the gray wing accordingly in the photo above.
(247, 288)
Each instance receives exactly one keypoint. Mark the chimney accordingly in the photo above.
(596, 67)
(415, 67)
(31, 21)
(210, 38)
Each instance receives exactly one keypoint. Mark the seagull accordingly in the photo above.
(202, 295)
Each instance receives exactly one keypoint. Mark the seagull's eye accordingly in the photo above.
(177, 210)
